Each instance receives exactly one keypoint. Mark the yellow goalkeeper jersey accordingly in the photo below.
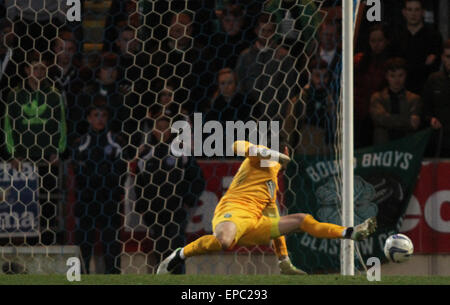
(254, 187)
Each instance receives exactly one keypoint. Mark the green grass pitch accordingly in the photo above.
(220, 280)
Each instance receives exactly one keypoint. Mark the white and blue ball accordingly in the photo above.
(398, 248)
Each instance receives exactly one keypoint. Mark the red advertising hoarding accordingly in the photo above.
(427, 219)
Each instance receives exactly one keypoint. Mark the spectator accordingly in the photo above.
(436, 97)
(121, 14)
(228, 104)
(166, 187)
(167, 102)
(35, 131)
(419, 43)
(68, 63)
(230, 39)
(70, 77)
(369, 78)
(133, 60)
(329, 49)
(127, 46)
(185, 61)
(110, 84)
(265, 71)
(395, 111)
(297, 22)
(68, 32)
(310, 120)
(32, 109)
(134, 74)
(99, 165)
(165, 106)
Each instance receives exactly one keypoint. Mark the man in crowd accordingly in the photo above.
(436, 101)
(419, 43)
(35, 131)
(99, 166)
(185, 61)
(67, 76)
(266, 71)
(231, 38)
(395, 111)
(329, 50)
(166, 186)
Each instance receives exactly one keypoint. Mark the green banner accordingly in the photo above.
(384, 179)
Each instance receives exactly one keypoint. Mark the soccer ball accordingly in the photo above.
(398, 248)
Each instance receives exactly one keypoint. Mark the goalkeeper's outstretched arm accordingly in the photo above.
(249, 150)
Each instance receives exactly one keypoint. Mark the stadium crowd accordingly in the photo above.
(108, 113)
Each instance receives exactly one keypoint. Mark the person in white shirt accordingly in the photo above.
(328, 48)
(330, 52)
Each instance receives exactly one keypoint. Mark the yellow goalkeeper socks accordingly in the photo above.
(202, 245)
(279, 245)
(321, 229)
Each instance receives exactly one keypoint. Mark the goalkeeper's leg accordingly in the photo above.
(306, 223)
(280, 247)
(284, 262)
(223, 239)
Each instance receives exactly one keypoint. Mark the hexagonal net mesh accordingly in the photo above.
(88, 169)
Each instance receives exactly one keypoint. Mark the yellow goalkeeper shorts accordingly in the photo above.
(251, 230)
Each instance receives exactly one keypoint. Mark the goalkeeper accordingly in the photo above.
(239, 219)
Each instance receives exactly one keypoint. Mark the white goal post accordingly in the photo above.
(347, 246)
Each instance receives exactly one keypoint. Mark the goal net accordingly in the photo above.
(89, 107)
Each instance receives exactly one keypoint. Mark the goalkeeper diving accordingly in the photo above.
(247, 215)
